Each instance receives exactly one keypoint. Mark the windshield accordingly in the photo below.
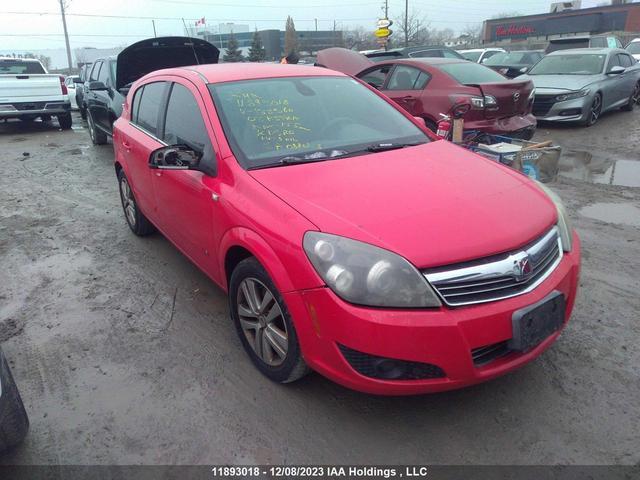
(583, 64)
(508, 58)
(471, 56)
(633, 47)
(19, 67)
(275, 119)
(471, 73)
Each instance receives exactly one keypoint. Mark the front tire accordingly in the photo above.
(14, 423)
(65, 121)
(594, 111)
(138, 223)
(98, 137)
(264, 324)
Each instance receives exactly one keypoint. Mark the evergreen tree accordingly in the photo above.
(256, 51)
(290, 38)
(232, 52)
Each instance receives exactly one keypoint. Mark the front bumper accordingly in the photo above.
(575, 110)
(31, 109)
(443, 337)
(521, 126)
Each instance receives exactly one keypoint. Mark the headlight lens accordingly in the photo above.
(367, 275)
(573, 95)
(564, 225)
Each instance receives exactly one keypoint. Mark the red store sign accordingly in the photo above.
(503, 31)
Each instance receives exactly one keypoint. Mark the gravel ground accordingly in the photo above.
(124, 352)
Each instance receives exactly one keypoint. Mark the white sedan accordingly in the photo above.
(71, 81)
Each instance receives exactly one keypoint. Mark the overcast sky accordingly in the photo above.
(39, 26)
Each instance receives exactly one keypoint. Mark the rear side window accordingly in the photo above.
(407, 78)
(148, 109)
(468, 73)
(426, 54)
(184, 124)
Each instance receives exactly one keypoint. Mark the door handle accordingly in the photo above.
(125, 144)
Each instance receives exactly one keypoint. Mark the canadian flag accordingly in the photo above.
(200, 22)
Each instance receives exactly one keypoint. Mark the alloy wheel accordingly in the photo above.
(262, 321)
(594, 113)
(635, 97)
(128, 202)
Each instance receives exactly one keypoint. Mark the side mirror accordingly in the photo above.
(617, 70)
(421, 121)
(77, 80)
(96, 86)
(174, 157)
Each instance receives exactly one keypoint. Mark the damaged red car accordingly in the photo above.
(431, 87)
(350, 240)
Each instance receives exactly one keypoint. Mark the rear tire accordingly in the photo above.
(98, 137)
(65, 121)
(633, 99)
(14, 423)
(138, 223)
(266, 330)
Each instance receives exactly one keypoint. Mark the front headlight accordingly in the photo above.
(366, 275)
(564, 226)
(573, 95)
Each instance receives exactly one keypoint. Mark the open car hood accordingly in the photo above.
(151, 54)
(343, 60)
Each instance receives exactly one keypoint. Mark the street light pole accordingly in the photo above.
(406, 23)
(66, 35)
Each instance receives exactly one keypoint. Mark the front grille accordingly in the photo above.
(389, 368)
(487, 354)
(498, 277)
(542, 104)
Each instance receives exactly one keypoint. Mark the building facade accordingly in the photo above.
(539, 29)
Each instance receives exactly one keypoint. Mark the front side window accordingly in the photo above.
(103, 76)
(634, 48)
(376, 77)
(624, 60)
(94, 71)
(150, 101)
(269, 121)
(407, 78)
(184, 124)
(582, 64)
(614, 61)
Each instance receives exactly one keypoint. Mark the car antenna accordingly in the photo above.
(193, 48)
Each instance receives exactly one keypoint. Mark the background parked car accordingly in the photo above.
(634, 48)
(28, 92)
(480, 55)
(72, 81)
(14, 422)
(584, 41)
(429, 87)
(579, 85)
(111, 77)
(511, 64)
(433, 51)
(84, 76)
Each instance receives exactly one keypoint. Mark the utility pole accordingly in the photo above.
(406, 23)
(154, 28)
(66, 35)
(316, 24)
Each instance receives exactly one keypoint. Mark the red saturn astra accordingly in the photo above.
(349, 239)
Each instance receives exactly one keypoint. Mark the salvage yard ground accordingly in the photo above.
(124, 352)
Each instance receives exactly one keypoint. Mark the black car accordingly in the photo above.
(110, 78)
(83, 77)
(14, 422)
(433, 51)
(511, 64)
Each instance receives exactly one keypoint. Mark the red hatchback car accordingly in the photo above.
(349, 239)
(429, 87)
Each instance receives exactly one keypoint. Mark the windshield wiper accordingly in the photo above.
(383, 147)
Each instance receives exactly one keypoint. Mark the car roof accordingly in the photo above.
(233, 72)
(469, 50)
(577, 51)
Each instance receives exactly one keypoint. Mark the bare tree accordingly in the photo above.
(473, 33)
(409, 25)
(359, 38)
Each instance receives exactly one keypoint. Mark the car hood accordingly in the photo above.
(561, 82)
(152, 54)
(343, 60)
(434, 204)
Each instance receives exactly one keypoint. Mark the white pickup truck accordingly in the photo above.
(27, 92)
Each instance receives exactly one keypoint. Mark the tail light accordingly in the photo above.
(63, 86)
